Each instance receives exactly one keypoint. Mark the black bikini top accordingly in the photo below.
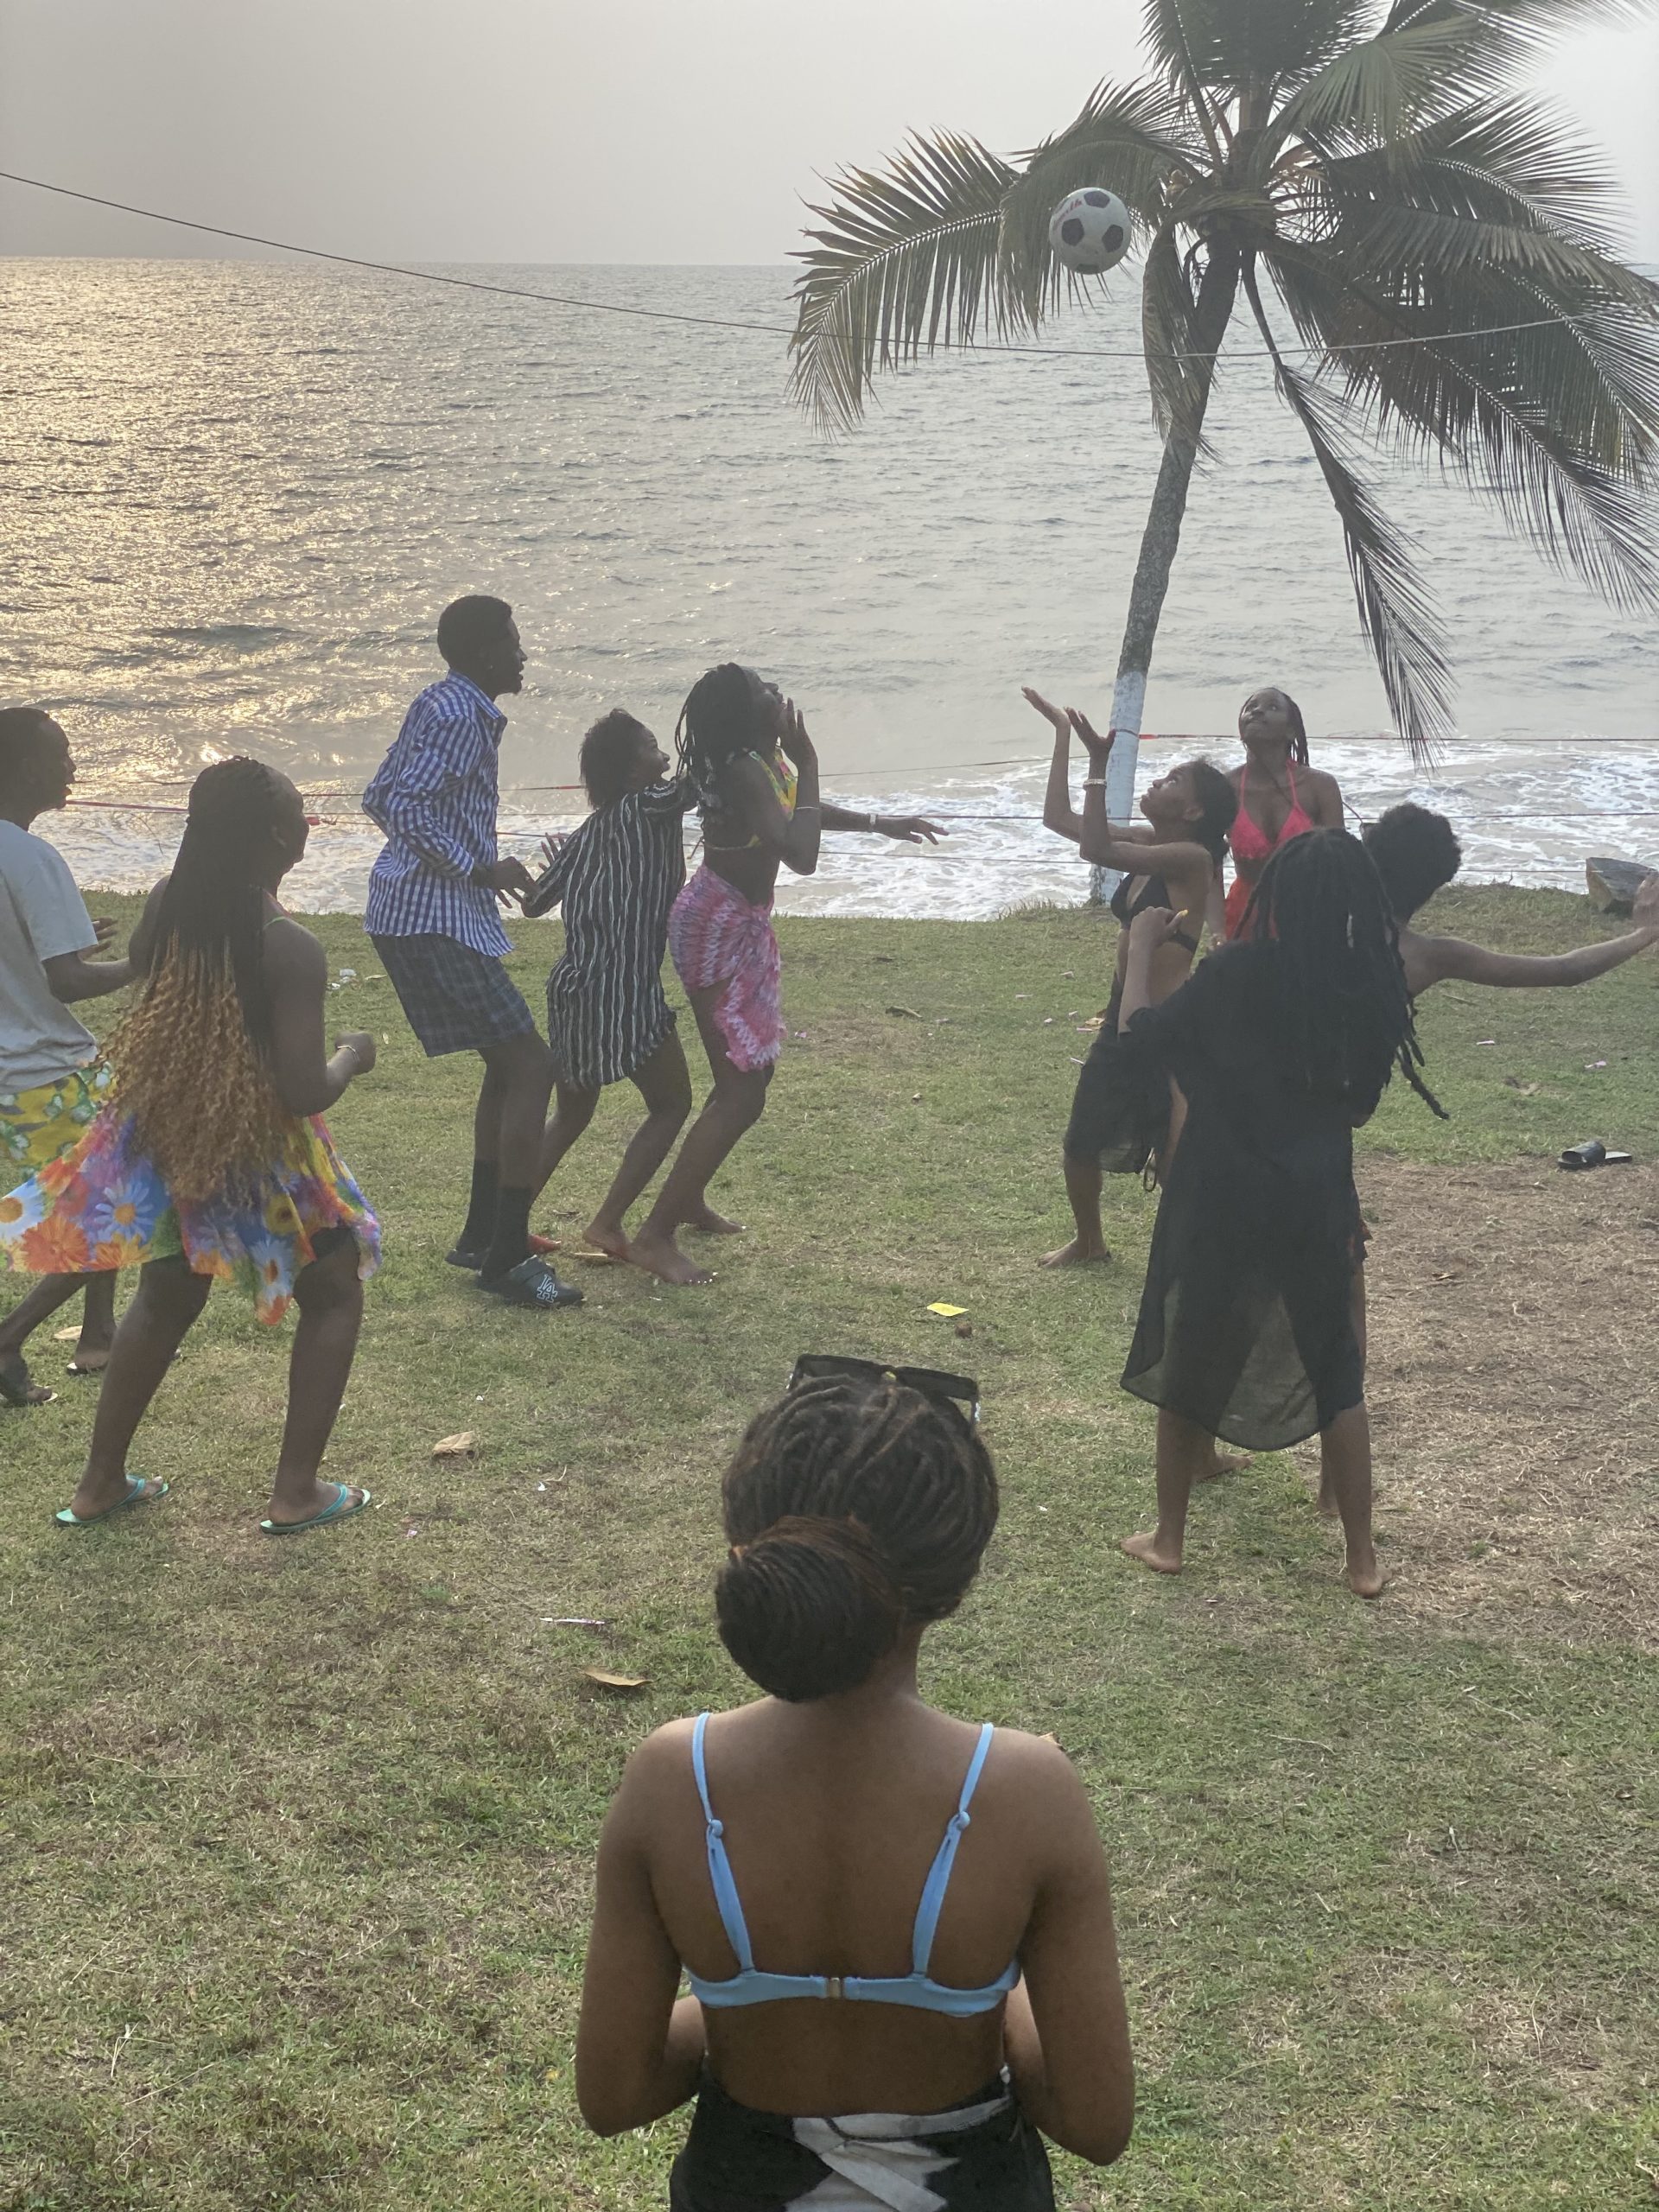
(1156, 894)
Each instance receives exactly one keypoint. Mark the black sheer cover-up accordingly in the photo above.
(1246, 1324)
(1120, 1110)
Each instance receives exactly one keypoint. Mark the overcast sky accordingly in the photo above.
(570, 131)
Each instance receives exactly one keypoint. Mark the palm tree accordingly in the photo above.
(1440, 245)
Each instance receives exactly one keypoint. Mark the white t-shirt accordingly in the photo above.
(41, 915)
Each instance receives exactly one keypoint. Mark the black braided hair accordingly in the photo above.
(1219, 803)
(1298, 729)
(212, 912)
(852, 1507)
(1343, 1006)
(722, 716)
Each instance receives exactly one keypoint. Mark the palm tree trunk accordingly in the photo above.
(1213, 311)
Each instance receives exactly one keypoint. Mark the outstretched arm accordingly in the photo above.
(1445, 959)
(72, 976)
(1059, 813)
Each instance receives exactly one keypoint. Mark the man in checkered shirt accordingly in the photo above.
(433, 913)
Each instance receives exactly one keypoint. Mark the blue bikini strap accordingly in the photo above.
(938, 1878)
(720, 1867)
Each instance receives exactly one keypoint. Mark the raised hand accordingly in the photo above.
(1049, 712)
(791, 735)
(1099, 748)
(553, 843)
(908, 829)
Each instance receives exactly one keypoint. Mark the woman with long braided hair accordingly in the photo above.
(1275, 804)
(1252, 1321)
(210, 1162)
(745, 751)
(844, 2045)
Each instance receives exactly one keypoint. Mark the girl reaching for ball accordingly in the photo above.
(744, 749)
(1273, 802)
(1123, 1115)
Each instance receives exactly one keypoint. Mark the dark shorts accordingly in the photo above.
(456, 999)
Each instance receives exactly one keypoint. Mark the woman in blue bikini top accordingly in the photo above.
(896, 1927)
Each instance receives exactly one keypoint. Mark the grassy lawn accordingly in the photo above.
(299, 1836)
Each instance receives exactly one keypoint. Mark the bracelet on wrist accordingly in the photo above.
(1094, 783)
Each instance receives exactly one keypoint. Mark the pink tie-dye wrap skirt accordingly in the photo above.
(720, 941)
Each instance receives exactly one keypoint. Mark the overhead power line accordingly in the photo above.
(725, 322)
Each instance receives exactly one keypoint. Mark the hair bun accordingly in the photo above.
(807, 1607)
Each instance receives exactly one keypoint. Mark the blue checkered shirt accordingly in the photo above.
(435, 796)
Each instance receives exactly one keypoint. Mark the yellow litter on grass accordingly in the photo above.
(947, 1312)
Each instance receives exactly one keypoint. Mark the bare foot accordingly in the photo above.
(90, 1359)
(664, 1258)
(599, 1237)
(708, 1223)
(1225, 1463)
(17, 1386)
(1363, 1574)
(1151, 1553)
(1079, 1253)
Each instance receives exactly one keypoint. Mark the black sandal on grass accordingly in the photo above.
(533, 1283)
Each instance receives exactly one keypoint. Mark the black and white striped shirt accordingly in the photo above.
(617, 878)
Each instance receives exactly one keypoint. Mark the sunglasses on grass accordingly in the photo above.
(958, 1390)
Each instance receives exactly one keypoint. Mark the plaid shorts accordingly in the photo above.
(457, 1000)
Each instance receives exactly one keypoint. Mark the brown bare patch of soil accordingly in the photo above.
(1514, 1387)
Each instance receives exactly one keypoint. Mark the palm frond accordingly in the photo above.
(1406, 636)
(1499, 37)
(1228, 44)
(1556, 424)
(906, 258)
(1375, 89)
(1501, 161)
(1133, 139)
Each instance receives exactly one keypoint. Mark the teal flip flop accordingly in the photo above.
(344, 1505)
(138, 1493)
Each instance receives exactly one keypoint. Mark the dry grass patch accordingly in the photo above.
(1514, 1352)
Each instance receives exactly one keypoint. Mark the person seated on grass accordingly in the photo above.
(209, 1161)
(608, 1020)
(52, 1080)
(1416, 853)
(890, 2005)
(1251, 1319)
(1121, 1112)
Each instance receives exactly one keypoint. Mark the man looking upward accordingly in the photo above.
(433, 916)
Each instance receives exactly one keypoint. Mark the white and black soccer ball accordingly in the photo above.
(1089, 232)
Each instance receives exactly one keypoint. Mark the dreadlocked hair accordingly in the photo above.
(852, 1508)
(722, 716)
(1298, 730)
(1320, 909)
(1218, 803)
(190, 1060)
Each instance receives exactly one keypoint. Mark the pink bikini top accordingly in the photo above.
(1248, 838)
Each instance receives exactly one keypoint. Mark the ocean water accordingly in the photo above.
(237, 494)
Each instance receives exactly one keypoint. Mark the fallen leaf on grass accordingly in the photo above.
(607, 1681)
(904, 1013)
(947, 1312)
(571, 1620)
(66, 1336)
(462, 1445)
